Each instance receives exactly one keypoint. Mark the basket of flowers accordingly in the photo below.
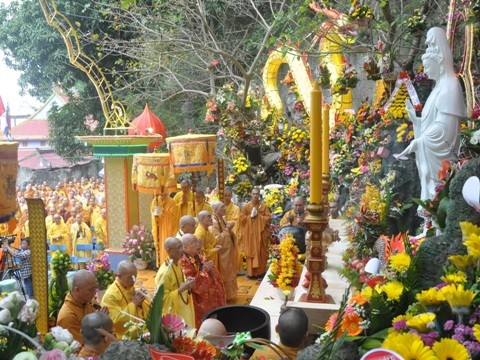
(285, 269)
(139, 246)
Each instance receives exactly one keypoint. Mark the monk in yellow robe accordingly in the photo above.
(184, 199)
(298, 212)
(200, 203)
(177, 298)
(123, 300)
(49, 218)
(255, 223)
(59, 234)
(101, 229)
(227, 254)
(80, 233)
(210, 247)
(232, 214)
(165, 217)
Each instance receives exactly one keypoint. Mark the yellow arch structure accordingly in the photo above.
(113, 110)
(330, 47)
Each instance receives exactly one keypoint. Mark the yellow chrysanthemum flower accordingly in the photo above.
(457, 296)
(422, 322)
(393, 290)
(407, 316)
(367, 292)
(446, 349)
(469, 228)
(473, 244)
(431, 297)
(400, 262)
(409, 346)
(476, 331)
(456, 278)
(462, 262)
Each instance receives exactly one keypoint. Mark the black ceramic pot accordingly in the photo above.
(242, 318)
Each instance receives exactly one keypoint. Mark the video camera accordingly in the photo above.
(9, 239)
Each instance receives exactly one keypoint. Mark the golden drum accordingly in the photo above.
(8, 179)
(152, 173)
(192, 152)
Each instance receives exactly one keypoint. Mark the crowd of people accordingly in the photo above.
(202, 244)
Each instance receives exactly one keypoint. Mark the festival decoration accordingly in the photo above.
(139, 244)
(285, 269)
(395, 106)
(8, 169)
(192, 153)
(60, 264)
(153, 173)
(147, 123)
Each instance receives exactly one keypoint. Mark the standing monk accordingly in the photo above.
(80, 233)
(200, 203)
(165, 216)
(232, 214)
(228, 255)
(255, 224)
(210, 246)
(177, 298)
(207, 292)
(184, 199)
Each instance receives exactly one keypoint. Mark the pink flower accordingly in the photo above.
(172, 323)
(55, 354)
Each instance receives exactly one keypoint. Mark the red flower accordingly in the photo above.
(375, 280)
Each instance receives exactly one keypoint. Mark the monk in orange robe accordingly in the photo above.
(255, 224)
(228, 255)
(207, 292)
(232, 214)
(165, 217)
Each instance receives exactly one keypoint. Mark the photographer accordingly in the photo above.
(23, 254)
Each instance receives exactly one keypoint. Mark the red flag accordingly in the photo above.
(2, 107)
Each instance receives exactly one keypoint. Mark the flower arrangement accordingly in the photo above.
(274, 198)
(372, 69)
(58, 287)
(101, 269)
(139, 244)
(420, 75)
(324, 76)
(416, 22)
(285, 271)
(360, 11)
(62, 339)
(20, 316)
(347, 81)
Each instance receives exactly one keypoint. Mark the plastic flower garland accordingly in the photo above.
(101, 269)
(286, 270)
(139, 244)
(58, 287)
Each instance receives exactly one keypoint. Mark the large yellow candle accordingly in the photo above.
(316, 145)
(326, 140)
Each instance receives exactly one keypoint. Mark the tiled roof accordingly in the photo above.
(31, 129)
(45, 159)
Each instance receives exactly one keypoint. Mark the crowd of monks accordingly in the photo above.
(74, 213)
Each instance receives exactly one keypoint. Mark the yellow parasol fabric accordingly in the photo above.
(152, 173)
(8, 178)
(192, 153)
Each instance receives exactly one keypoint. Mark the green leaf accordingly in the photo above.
(154, 320)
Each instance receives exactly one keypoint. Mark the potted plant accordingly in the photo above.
(139, 246)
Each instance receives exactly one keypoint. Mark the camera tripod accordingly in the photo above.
(9, 270)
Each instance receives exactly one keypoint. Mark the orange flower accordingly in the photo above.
(204, 351)
(442, 174)
(331, 321)
(183, 345)
(351, 324)
(358, 299)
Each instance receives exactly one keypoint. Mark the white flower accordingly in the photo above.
(5, 316)
(74, 346)
(10, 300)
(475, 139)
(25, 355)
(28, 313)
(61, 334)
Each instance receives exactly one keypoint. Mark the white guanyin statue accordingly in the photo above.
(437, 130)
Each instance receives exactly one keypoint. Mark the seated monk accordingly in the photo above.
(123, 300)
(78, 303)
